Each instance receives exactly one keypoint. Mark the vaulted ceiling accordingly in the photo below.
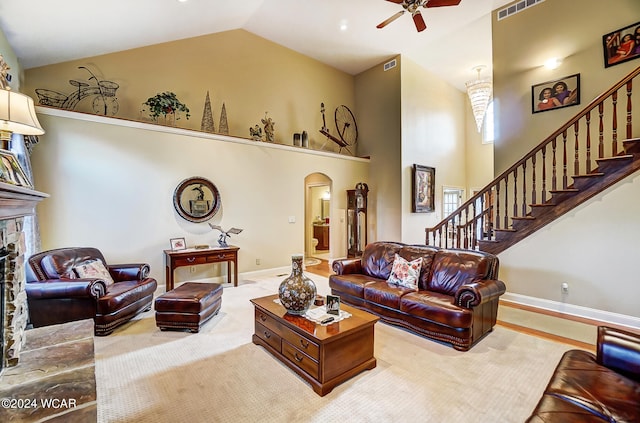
(340, 33)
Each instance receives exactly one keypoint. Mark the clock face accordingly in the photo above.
(103, 105)
(346, 125)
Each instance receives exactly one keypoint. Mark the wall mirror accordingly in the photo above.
(196, 199)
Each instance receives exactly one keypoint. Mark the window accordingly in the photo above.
(488, 129)
(451, 200)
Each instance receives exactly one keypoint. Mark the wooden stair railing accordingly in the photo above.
(537, 188)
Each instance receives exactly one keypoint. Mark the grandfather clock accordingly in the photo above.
(357, 220)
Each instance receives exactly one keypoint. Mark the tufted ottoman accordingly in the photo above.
(189, 306)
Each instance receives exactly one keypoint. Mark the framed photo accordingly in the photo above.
(621, 45)
(10, 170)
(178, 244)
(423, 189)
(555, 94)
(333, 304)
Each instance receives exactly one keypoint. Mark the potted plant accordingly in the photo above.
(166, 104)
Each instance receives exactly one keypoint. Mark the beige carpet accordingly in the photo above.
(218, 375)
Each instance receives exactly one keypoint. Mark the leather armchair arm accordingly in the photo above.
(478, 292)
(129, 272)
(347, 266)
(66, 288)
(619, 350)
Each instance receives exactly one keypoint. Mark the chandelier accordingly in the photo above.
(479, 92)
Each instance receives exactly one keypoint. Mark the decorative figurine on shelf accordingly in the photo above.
(256, 133)
(268, 128)
(222, 240)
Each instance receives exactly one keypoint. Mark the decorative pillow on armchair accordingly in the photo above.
(405, 273)
(94, 269)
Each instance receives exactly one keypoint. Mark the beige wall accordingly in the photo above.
(112, 186)
(433, 134)
(249, 74)
(593, 248)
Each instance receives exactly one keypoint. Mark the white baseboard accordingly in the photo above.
(574, 310)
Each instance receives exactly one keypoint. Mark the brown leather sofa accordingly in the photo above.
(56, 294)
(604, 387)
(456, 301)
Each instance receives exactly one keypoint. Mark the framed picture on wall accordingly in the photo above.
(423, 189)
(555, 94)
(621, 45)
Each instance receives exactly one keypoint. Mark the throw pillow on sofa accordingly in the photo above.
(405, 273)
(94, 269)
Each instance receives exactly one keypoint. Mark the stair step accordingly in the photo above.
(516, 218)
(505, 230)
(614, 162)
(564, 191)
(631, 145)
(542, 205)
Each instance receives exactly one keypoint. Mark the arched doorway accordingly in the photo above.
(317, 220)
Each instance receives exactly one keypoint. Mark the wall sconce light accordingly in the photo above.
(553, 63)
(479, 92)
(326, 195)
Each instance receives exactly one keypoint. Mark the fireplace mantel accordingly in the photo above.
(16, 202)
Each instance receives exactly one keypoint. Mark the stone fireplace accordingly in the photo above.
(15, 203)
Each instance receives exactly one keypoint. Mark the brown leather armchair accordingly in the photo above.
(57, 292)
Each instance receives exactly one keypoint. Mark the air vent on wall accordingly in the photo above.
(389, 65)
(517, 7)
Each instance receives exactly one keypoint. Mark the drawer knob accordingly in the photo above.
(263, 317)
(191, 259)
(297, 357)
(304, 344)
(267, 334)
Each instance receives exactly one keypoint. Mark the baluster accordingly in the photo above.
(601, 130)
(524, 188)
(614, 129)
(515, 193)
(564, 160)
(498, 205)
(533, 179)
(554, 167)
(474, 208)
(629, 108)
(544, 174)
(588, 164)
(576, 150)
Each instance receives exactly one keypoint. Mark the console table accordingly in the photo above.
(191, 257)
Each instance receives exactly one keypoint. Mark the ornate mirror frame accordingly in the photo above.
(196, 199)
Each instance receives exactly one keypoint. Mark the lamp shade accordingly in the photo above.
(479, 92)
(18, 114)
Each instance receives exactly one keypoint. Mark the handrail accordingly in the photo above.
(502, 193)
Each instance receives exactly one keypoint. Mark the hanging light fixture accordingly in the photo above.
(479, 92)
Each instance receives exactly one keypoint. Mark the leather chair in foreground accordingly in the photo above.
(68, 284)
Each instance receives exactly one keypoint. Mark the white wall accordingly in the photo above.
(112, 186)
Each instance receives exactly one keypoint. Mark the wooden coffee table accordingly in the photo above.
(324, 356)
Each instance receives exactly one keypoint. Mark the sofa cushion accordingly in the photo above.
(377, 259)
(437, 308)
(385, 294)
(412, 252)
(453, 268)
(93, 269)
(580, 380)
(405, 273)
(121, 294)
(351, 284)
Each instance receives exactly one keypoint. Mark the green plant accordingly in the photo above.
(164, 104)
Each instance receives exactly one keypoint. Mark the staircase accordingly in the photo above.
(577, 161)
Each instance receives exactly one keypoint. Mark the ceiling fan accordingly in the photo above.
(412, 6)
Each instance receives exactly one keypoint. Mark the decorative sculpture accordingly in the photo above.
(256, 133)
(222, 240)
(268, 128)
(207, 124)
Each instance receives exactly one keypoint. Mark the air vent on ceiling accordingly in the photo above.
(390, 65)
(517, 7)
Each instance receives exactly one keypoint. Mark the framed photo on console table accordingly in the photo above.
(423, 189)
(178, 244)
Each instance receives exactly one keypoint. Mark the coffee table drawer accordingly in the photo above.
(300, 359)
(301, 343)
(268, 336)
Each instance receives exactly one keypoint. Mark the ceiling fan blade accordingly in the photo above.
(391, 19)
(419, 21)
(440, 3)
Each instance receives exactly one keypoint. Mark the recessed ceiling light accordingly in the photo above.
(553, 63)
(182, 1)
(344, 25)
